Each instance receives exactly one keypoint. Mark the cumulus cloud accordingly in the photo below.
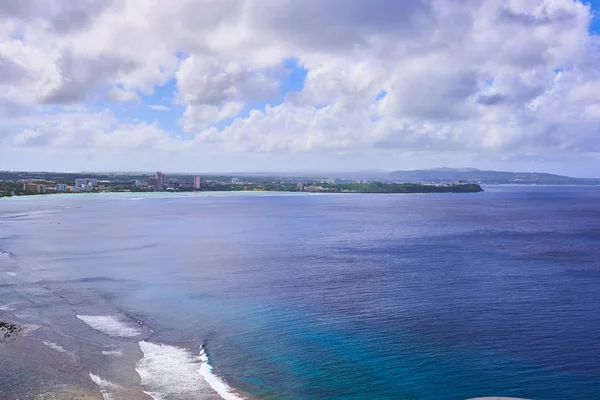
(123, 95)
(448, 76)
(101, 130)
(158, 107)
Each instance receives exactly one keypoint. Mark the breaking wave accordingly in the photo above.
(8, 307)
(110, 325)
(173, 372)
(6, 254)
(215, 381)
(106, 387)
(54, 346)
(112, 353)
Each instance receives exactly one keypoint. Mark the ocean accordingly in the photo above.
(302, 296)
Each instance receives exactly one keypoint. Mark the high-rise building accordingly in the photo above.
(197, 182)
(162, 179)
(86, 182)
(61, 187)
(32, 188)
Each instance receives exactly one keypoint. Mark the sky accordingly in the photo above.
(300, 85)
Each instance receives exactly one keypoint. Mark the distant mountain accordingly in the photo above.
(445, 169)
(487, 177)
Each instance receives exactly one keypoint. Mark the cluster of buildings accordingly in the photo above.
(314, 188)
(159, 182)
(38, 188)
(81, 186)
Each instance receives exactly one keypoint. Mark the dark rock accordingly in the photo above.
(9, 330)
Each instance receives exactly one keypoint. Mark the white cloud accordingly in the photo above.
(476, 76)
(198, 117)
(100, 130)
(585, 92)
(156, 107)
(122, 95)
(593, 110)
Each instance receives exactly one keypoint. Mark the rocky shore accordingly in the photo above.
(9, 330)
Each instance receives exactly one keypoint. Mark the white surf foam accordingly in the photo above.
(6, 254)
(28, 329)
(215, 381)
(55, 346)
(110, 325)
(173, 372)
(7, 307)
(106, 387)
(112, 353)
(11, 274)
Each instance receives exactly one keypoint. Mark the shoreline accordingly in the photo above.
(438, 190)
(137, 371)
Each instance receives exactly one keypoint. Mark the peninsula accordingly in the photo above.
(29, 183)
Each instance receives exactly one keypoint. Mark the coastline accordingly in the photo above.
(412, 189)
(27, 378)
(89, 368)
(57, 382)
(52, 372)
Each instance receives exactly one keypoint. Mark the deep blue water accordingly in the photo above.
(439, 296)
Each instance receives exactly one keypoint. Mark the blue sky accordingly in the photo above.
(166, 95)
(288, 85)
(595, 25)
(295, 73)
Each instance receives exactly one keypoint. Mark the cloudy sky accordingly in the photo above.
(284, 85)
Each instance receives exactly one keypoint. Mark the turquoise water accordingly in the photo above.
(447, 296)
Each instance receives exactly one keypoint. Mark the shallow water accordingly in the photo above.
(449, 296)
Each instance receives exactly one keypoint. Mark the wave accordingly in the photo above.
(55, 346)
(7, 254)
(112, 353)
(106, 387)
(11, 274)
(93, 279)
(110, 325)
(8, 307)
(497, 398)
(173, 372)
(215, 381)
(28, 329)
(59, 349)
(26, 214)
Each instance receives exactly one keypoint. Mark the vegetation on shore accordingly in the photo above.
(10, 188)
(16, 189)
(12, 184)
(378, 187)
